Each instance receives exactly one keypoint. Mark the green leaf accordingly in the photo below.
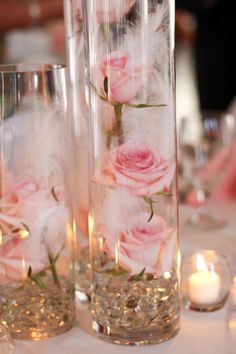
(151, 214)
(113, 271)
(54, 194)
(165, 194)
(52, 264)
(145, 105)
(137, 277)
(141, 276)
(37, 278)
(42, 273)
(102, 97)
(105, 85)
(149, 276)
(29, 272)
(26, 227)
(150, 202)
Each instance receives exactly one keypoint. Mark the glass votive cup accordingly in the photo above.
(205, 280)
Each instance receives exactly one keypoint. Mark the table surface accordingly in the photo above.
(200, 333)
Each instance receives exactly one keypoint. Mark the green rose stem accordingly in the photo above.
(53, 270)
(150, 202)
(118, 114)
(52, 265)
(117, 130)
(37, 278)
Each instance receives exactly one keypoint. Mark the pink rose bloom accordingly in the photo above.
(136, 166)
(124, 78)
(31, 221)
(108, 11)
(143, 244)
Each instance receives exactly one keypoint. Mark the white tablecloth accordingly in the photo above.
(200, 333)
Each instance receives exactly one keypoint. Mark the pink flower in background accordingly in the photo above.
(124, 79)
(108, 11)
(136, 166)
(220, 174)
(141, 244)
(31, 220)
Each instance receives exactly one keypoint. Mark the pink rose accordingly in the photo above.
(143, 244)
(123, 77)
(31, 221)
(136, 166)
(108, 11)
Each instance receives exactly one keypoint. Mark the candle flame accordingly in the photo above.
(201, 264)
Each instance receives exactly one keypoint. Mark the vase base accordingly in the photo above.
(33, 312)
(136, 338)
(38, 335)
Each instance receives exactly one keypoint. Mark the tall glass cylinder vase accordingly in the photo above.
(36, 238)
(133, 201)
(78, 122)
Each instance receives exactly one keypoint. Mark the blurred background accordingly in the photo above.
(33, 31)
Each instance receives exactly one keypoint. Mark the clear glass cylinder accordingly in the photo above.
(36, 238)
(78, 123)
(132, 156)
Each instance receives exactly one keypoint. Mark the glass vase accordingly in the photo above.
(78, 123)
(36, 238)
(132, 180)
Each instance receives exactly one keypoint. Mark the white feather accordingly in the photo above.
(147, 41)
(40, 152)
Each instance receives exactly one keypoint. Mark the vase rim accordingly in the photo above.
(29, 67)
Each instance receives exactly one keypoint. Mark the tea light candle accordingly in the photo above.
(203, 285)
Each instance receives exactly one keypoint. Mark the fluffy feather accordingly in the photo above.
(39, 149)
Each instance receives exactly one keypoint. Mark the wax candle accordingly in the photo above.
(204, 287)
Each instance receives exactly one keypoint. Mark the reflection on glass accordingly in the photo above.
(200, 143)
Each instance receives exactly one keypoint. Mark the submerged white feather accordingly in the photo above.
(147, 41)
(112, 213)
(41, 147)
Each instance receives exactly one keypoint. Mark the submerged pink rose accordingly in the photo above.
(31, 221)
(136, 166)
(124, 78)
(143, 244)
(108, 11)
